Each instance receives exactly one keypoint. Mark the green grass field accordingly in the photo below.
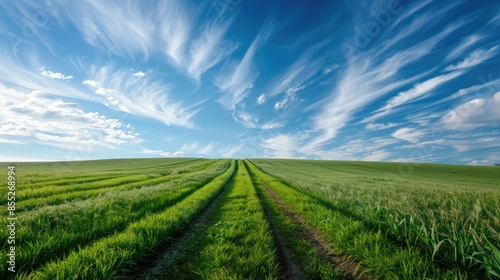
(187, 218)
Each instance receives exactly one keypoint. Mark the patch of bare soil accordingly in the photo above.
(348, 267)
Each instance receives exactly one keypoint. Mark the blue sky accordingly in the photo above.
(356, 80)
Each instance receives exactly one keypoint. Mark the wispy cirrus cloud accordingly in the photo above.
(475, 58)
(360, 84)
(304, 68)
(409, 134)
(176, 27)
(194, 43)
(489, 85)
(367, 149)
(369, 75)
(190, 39)
(236, 80)
(380, 126)
(466, 43)
(418, 91)
(27, 75)
(210, 48)
(143, 95)
(127, 31)
(246, 119)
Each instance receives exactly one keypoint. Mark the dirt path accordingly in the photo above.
(291, 270)
(170, 251)
(348, 267)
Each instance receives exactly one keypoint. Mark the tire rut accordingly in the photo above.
(291, 270)
(348, 267)
(168, 252)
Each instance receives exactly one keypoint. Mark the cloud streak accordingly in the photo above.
(475, 58)
(121, 90)
(236, 80)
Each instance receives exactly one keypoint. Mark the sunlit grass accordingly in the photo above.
(437, 209)
(237, 243)
(107, 257)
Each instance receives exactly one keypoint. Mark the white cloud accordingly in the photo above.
(262, 99)
(23, 159)
(433, 144)
(408, 134)
(280, 104)
(475, 58)
(359, 85)
(7, 141)
(139, 74)
(53, 75)
(163, 153)
(290, 96)
(246, 119)
(378, 156)
(272, 125)
(51, 121)
(104, 91)
(475, 113)
(91, 83)
(282, 145)
(482, 162)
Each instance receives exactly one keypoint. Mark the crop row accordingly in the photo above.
(108, 256)
(56, 230)
(90, 181)
(64, 173)
(302, 255)
(236, 243)
(350, 237)
(451, 226)
(272, 215)
(82, 192)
